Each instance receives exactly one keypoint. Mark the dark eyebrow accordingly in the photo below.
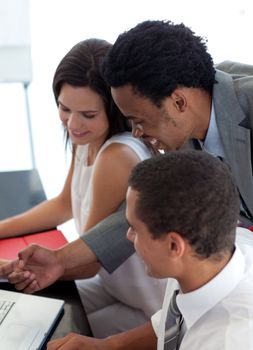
(59, 102)
(89, 111)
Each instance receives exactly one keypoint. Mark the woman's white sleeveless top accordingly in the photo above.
(129, 283)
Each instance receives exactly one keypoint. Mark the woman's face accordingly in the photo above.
(83, 114)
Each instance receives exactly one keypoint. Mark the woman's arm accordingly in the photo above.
(110, 181)
(109, 186)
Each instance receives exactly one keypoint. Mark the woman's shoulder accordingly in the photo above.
(114, 161)
(122, 137)
(126, 138)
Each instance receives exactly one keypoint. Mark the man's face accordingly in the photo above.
(166, 124)
(153, 251)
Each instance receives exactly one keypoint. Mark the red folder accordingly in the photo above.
(9, 247)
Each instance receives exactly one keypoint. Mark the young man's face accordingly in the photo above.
(152, 251)
(163, 124)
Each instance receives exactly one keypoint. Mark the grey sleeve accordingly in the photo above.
(108, 240)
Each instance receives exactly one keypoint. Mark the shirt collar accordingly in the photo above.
(195, 304)
(212, 143)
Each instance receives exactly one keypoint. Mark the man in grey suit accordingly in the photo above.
(164, 81)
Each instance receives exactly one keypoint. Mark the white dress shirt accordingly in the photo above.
(212, 143)
(219, 315)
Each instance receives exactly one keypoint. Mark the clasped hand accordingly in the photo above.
(36, 268)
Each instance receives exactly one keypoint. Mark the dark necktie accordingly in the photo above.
(173, 325)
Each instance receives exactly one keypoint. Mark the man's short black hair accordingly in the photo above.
(191, 193)
(156, 57)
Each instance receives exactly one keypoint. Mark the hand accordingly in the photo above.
(141, 338)
(75, 341)
(37, 268)
(8, 266)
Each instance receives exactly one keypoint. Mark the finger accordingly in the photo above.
(61, 343)
(19, 276)
(32, 287)
(24, 283)
(25, 254)
(8, 268)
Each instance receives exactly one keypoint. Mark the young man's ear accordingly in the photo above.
(176, 245)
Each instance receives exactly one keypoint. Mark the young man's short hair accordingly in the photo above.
(191, 193)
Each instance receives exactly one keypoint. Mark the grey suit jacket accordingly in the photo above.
(108, 240)
(233, 102)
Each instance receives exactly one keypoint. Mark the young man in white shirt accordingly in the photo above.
(214, 273)
(209, 264)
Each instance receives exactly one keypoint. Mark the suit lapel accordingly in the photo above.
(235, 137)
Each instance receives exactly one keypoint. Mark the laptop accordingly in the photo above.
(27, 320)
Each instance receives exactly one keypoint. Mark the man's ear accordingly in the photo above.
(179, 100)
(176, 245)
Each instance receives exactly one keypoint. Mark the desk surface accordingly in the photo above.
(74, 318)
